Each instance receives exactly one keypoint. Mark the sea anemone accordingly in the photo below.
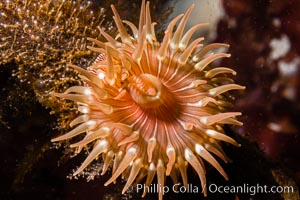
(152, 108)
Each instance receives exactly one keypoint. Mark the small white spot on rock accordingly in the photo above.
(276, 22)
(289, 69)
(280, 47)
(274, 127)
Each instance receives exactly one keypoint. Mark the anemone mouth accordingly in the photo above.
(148, 92)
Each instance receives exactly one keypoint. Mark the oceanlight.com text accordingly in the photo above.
(249, 189)
(212, 188)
